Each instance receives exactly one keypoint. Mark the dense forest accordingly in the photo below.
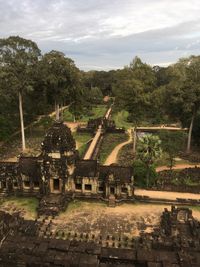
(32, 84)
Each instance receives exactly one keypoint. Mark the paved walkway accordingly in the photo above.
(112, 158)
(108, 113)
(165, 195)
(93, 144)
(96, 138)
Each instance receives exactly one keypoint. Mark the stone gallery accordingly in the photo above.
(59, 170)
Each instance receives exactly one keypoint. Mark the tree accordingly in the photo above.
(17, 58)
(172, 143)
(183, 93)
(148, 150)
(60, 75)
(143, 73)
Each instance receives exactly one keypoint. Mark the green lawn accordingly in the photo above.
(81, 141)
(110, 141)
(120, 119)
(97, 111)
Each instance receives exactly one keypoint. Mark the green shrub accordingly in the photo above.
(140, 173)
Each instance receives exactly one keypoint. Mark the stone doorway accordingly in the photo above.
(55, 185)
(112, 190)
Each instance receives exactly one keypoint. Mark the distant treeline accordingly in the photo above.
(41, 82)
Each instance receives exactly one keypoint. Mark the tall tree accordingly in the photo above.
(172, 143)
(61, 76)
(18, 56)
(183, 93)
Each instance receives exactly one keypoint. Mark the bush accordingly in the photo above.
(140, 172)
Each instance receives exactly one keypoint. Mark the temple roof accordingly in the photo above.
(121, 174)
(29, 167)
(86, 168)
(58, 139)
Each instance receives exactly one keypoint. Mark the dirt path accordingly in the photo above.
(165, 194)
(177, 167)
(161, 127)
(112, 158)
(74, 125)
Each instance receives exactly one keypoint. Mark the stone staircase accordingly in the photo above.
(52, 204)
(112, 201)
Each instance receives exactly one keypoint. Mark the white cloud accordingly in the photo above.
(106, 33)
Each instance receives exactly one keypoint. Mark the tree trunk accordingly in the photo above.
(61, 114)
(134, 140)
(190, 134)
(147, 176)
(22, 122)
(57, 111)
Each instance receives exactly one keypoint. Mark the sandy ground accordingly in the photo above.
(165, 194)
(162, 127)
(97, 219)
(125, 220)
(112, 158)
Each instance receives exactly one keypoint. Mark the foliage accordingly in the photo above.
(148, 150)
(125, 156)
(183, 92)
(140, 171)
(172, 143)
(18, 57)
(95, 112)
(121, 119)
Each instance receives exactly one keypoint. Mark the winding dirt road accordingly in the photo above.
(112, 158)
(177, 167)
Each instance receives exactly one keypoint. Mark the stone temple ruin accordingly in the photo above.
(175, 243)
(59, 172)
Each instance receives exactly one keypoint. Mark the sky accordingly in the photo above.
(107, 34)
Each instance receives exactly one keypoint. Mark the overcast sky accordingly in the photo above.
(107, 34)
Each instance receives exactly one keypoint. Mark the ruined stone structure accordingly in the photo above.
(59, 170)
(175, 243)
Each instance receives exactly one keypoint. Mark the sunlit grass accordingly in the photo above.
(120, 119)
(29, 204)
(96, 112)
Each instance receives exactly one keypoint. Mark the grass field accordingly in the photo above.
(81, 141)
(97, 111)
(27, 206)
(120, 119)
(110, 141)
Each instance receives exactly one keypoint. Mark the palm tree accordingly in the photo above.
(148, 150)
